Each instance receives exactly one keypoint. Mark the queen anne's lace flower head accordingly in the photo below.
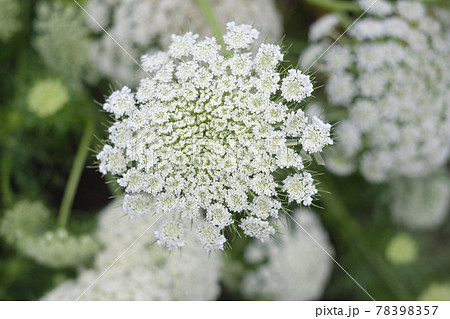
(147, 271)
(127, 21)
(296, 86)
(210, 236)
(300, 188)
(294, 269)
(59, 249)
(204, 134)
(29, 228)
(240, 36)
(255, 227)
(62, 40)
(170, 234)
(391, 72)
(25, 218)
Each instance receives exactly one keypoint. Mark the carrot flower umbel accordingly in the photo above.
(214, 138)
(389, 75)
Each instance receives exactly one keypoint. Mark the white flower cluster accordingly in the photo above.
(9, 19)
(59, 249)
(421, 203)
(391, 73)
(296, 268)
(29, 228)
(147, 271)
(143, 26)
(62, 40)
(204, 134)
(26, 217)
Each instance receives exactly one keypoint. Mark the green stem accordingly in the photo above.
(336, 5)
(206, 8)
(435, 2)
(6, 167)
(353, 234)
(75, 173)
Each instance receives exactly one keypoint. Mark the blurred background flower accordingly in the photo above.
(10, 19)
(147, 271)
(295, 268)
(388, 77)
(127, 21)
(62, 40)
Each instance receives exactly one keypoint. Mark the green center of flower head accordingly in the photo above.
(47, 97)
(204, 133)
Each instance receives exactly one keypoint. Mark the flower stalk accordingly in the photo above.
(206, 8)
(336, 5)
(75, 173)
